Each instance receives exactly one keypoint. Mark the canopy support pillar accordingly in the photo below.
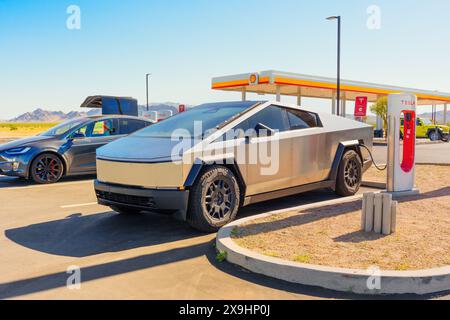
(278, 94)
(333, 103)
(299, 97)
(445, 113)
(344, 105)
(433, 116)
(244, 94)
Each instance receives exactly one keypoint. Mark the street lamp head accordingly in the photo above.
(334, 18)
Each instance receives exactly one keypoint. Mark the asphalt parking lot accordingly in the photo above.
(46, 229)
(426, 153)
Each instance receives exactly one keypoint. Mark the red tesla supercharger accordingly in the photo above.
(401, 154)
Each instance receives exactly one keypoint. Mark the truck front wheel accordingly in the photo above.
(214, 199)
(350, 174)
(434, 135)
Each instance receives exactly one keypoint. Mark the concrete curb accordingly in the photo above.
(432, 164)
(339, 279)
(418, 143)
(375, 185)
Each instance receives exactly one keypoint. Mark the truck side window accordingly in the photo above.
(273, 117)
(299, 119)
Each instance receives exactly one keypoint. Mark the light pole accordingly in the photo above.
(146, 86)
(338, 18)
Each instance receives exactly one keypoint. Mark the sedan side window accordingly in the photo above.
(299, 119)
(128, 126)
(81, 132)
(103, 128)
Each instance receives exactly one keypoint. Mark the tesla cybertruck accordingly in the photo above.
(206, 163)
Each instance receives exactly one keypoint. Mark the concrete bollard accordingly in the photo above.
(368, 227)
(387, 221)
(394, 216)
(363, 215)
(378, 214)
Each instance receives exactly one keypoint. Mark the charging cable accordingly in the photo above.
(373, 161)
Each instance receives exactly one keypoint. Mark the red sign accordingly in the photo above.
(181, 108)
(361, 107)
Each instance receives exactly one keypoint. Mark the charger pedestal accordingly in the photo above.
(401, 152)
(402, 194)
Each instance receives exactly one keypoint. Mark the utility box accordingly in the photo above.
(113, 105)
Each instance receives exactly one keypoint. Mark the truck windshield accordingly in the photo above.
(63, 128)
(197, 122)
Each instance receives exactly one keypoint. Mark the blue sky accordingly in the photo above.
(184, 43)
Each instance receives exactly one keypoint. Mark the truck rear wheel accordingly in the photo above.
(350, 174)
(214, 199)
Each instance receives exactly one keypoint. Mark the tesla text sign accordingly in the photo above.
(361, 107)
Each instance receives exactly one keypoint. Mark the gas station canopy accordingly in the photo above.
(301, 85)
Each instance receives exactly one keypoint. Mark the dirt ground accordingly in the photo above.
(7, 136)
(330, 236)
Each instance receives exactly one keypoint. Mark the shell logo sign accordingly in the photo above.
(254, 79)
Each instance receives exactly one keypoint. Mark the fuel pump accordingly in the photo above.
(401, 154)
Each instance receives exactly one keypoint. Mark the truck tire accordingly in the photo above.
(349, 175)
(214, 199)
(434, 135)
(126, 210)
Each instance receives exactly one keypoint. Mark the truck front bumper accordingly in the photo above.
(146, 199)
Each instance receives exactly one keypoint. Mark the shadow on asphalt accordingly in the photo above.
(83, 236)
(58, 280)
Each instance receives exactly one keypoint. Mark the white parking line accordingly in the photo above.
(78, 205)
(61, 184)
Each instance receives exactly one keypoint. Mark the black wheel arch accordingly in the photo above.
(342, 148)
(199, 166)
(433, 130)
